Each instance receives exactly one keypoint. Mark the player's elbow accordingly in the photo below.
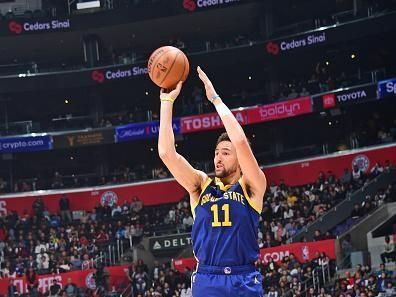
(165, 153)
(240, 141)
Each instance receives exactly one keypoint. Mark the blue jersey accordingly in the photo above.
(225, 226)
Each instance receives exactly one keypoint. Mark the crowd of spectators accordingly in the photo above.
(61, 242)
(45, 242)
(365, 282)
(288, 209)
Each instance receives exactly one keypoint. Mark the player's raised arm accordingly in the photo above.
(253, 176)
(190, 178)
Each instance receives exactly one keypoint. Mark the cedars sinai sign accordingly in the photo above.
(20, 27)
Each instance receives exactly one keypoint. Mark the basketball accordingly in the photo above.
(167, 66)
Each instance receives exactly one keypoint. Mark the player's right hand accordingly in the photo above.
(209, 89)
(171, 94)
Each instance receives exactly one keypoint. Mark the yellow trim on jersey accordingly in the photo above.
(249, 200)
(203, 188)
(205, 185)
(219, 183)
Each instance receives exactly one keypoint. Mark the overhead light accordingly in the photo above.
(88, 4)
(353, 56)
(327, 63)
(66, 101)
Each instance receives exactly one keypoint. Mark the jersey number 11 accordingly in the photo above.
(226, 209)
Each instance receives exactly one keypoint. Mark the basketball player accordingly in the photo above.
(226, 209)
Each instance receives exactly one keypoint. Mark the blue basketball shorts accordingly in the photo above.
(235, 281)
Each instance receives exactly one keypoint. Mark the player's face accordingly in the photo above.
(225, 160)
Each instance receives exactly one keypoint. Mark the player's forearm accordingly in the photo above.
(231, 124)
(166, 138)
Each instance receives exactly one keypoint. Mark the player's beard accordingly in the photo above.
(225, 172)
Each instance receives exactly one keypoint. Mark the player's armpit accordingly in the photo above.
(252, 175)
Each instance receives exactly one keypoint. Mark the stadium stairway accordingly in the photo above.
(342, 211)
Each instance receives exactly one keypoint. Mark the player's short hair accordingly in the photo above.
(223, 137)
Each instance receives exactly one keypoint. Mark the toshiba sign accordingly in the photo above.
(208, 121)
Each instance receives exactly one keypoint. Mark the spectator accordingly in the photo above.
(57, 181)
(12, 289)
(318, 235)
(356, 211)
(389, 253)
(70, 289)
(32, 283)
(136, 204)
(376, 170)
(64, 207)
(38, 207)
(55, 289)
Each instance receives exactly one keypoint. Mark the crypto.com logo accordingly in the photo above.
(189, 5)
(98, 76)
(15, 27)
(272, 48)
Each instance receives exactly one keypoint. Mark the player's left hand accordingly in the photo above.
(210, 91)
(173, 94)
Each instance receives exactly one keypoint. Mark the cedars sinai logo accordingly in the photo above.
(15, 27)
(189, 5)
(97, 76)
(272, 48)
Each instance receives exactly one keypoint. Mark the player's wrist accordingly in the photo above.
(222, 109)
(167, 99)
(215, 99)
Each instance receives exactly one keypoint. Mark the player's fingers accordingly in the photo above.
(202, 74)
(179, 86)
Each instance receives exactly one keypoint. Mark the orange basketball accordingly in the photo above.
(167, 66)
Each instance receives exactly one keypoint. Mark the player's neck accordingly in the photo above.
(230, 179)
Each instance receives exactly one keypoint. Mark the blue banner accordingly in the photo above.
(131, 132)
(152, 128)
(143, 130)
(387, 88)
(25, 144)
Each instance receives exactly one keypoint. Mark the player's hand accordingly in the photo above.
(210, 91)
(171, 94)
